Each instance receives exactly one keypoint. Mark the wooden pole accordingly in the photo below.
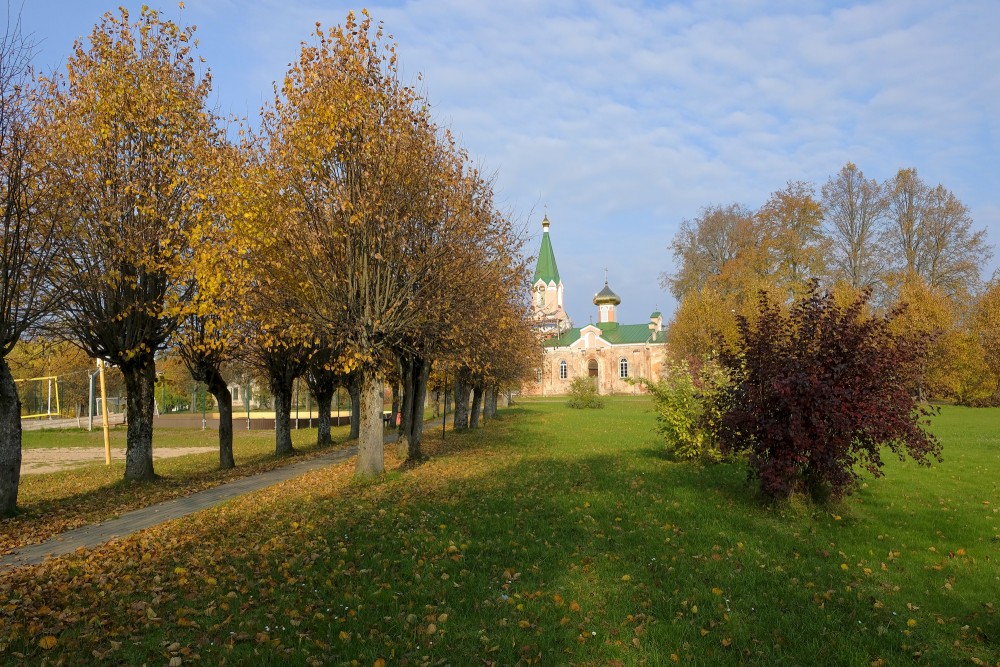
(104, 415)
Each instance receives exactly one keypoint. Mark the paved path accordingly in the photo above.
(89, 537)
(95, 535)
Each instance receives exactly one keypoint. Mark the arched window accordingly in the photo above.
(563, 370)
(538, 375)
(623, 367)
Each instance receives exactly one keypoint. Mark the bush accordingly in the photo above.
(688, 409)
(819, 391)
(583, 394)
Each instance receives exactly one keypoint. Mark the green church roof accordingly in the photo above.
(613, 332)
(546, 269)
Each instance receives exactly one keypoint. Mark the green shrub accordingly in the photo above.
(688, 409)
(583, 394)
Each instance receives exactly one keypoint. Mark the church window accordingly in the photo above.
(623, 367)
(538, 375)
(563, 370)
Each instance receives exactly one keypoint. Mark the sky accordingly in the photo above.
(622, 119)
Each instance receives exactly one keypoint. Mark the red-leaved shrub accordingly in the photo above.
(818, 392)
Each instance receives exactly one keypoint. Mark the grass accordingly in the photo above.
(551, 536)
(52, 503)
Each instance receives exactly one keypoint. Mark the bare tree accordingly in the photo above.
(854, 210)
(930, 232)
(709, 244)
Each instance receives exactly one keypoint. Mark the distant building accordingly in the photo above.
(547, 289)
(608, 352)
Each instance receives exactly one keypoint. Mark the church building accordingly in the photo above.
(609, 352)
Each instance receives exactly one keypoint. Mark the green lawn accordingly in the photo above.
(551, 536)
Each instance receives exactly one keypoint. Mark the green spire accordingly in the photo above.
(546, 269)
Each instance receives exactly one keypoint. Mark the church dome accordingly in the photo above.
(606, 296)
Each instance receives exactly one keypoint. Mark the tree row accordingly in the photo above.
(343, 238)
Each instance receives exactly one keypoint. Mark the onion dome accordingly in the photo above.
(606, 296)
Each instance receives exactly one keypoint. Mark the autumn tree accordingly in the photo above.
(358, 161)
(854, 215)
(323, 377)
(223, 245)
(986, 329)
(31, 280)
(721, 245)
(791, 226)
(134, 135)
(930, 234)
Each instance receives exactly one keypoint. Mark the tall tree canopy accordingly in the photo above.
(135, 137)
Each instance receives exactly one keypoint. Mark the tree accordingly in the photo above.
(930, 231)
(928, 311)
(360, 165)
(853, 212)
(986, 329)
(721, 245)
(134, 134)
(323, 379)
(791, 224)
(209, 334)
(31, 285)
(820, 391)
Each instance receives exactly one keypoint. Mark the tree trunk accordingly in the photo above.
(405, 418)
(140, 381)
(10, 440)
(394, 408)
(421, 375)
(370, 460)
(224, 399)
(461, 419)
(324, 401)
(477, 405)
(281, 390)
(355, 390)
(490, 410)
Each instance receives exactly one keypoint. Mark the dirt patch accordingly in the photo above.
(54, 459)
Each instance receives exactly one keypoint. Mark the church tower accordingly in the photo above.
(547, 288)
(606, 300)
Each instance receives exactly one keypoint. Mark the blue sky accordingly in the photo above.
(625, 118)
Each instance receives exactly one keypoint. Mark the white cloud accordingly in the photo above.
(627, 117)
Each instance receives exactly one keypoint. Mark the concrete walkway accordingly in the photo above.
(95, 535)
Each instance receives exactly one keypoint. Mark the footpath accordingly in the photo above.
(88, 537)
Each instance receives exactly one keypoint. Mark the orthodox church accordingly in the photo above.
(609, 352)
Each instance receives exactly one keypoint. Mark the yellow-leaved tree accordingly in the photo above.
(134, 142)
(358, 163)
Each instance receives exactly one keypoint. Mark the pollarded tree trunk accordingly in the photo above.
(405, 418)
(322, 383)
(461, 420)
(281, 390)
(354, 388)
(370, 460)
(10, 440)
(140, 380)
(394, 409)
(477, 405)
(224, 399)
(416, 374)
(490, 410)
(324, 402)
(421, 376)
